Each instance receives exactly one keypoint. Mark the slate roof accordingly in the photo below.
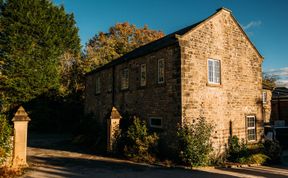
(280, 91)
(163, 42)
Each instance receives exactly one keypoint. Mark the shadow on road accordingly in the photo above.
(62, 142)
(261, 171)
(54, 155)
(78, 167)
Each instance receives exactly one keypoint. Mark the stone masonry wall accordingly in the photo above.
(239, 93)
(267, 106)
(153, 100)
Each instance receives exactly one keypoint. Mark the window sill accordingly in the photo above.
(214, 85)
(158, 130)
(161, 84)
(124, 89)
(142, 87)
(251, 142)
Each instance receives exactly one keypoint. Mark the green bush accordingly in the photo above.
(258, 158)
(236, 150)
(136, 142)
(249, 154)
(194, 142)
(5, 132)
(273, 150)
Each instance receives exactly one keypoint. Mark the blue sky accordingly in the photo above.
(265, 21)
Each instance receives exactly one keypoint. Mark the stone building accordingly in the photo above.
(266, 100)
(210, 69)
(279, 115)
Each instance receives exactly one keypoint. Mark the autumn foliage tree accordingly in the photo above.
(121, 39)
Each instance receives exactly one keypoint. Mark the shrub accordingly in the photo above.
(252, 154)
(273, 150)
(194, 142)
(9, 172)
(136, 142)
(5, 132)
(258, 158)
(236, 150)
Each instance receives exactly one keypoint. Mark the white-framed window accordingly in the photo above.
(97, 85)
(251, 128)
(143, 75)
(155, 122)
(264, 97)
(161, 70)
(125, 79)
(214, 74)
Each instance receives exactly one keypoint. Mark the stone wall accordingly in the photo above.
(153, 100)
(267, 106)
(186, 93)
(239, 93)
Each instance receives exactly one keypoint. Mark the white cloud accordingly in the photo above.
(282, 74)
(282, 83)
(252, 24)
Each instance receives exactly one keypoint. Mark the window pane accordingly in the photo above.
(251, 122)
(251, 128)
(143, 75)
(161, 71)
(155, 122)
(125, 79)
(251, 134)
(214, 75)
(210, 68)
(217, 71)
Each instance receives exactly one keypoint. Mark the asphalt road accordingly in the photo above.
(53, 156)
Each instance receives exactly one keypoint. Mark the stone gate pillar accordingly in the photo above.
(113, 124)
(20, 120)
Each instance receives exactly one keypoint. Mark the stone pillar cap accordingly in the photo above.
(115, 114)
(21, 115)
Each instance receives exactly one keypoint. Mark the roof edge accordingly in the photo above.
(235, 20)
(224, 8)
(252, 44)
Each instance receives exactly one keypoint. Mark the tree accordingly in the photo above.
(121, 39)
(5, 132)
(34, 35)
(270, 80)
